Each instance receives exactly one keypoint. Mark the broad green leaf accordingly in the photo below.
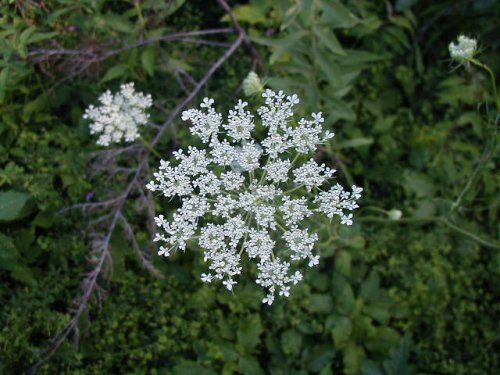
(370, 288)
(353, 57)
(115, 72)
(23, 274)
(291, 342)
(320, 303)
(307, 9)
(343, 295)
(397, 364)
(191, 368)
(341, 331)
(421, 184)
(148, 60)
(370, 368)
(38, 37)
(329, 40)
(14, 205)
(8, 250)
(249, 331)
(282, 45)
(353, 356)
(318, 357)
(174, 65)
(249, 366)
(118, 23)
(4, 77)
(343, 263)
(330, 69)
(355, 142)
(337, 15)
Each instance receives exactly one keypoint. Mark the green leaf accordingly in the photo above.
(318, 357)
(320, 303)
(353, 356)
(191, 368)
(8, 250)
(250, 366)
(355, 142)
(341, 331)
(148, 57)
(281, 46)
(337, 15)
(4, 78)
(371, 287)
(370, 368)
(330, 69)
(118, 23)
(397, 364)
(38, 37)
(115, 72)
(356, 57)
(343, 294)
(291, 342)
(249, 331)
(329, 40)
(14, 205)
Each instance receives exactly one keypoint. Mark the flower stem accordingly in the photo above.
(148, 146)
(493, 80)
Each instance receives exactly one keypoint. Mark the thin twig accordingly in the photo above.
(90, 282)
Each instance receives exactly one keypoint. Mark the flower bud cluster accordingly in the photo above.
(245, 197)
(118, 117)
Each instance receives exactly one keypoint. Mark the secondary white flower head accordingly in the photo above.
(118, 117)
(464, 50)
(245, 197)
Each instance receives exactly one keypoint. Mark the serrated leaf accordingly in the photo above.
(14, 205)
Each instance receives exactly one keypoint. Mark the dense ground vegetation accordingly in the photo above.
(412, 287)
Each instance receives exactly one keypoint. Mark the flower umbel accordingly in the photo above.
(119, 116)
(245, 197)
(464, 50)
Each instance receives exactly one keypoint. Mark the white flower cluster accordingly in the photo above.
(243, 197)
(119, 115)
(464, 50)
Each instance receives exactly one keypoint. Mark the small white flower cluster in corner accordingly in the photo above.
(464, 50)
(248, 197)
(119, 115)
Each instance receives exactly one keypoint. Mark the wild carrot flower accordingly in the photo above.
(248, 192)
(118, 117)
(464, 50)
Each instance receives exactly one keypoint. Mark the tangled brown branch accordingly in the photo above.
(112, 208)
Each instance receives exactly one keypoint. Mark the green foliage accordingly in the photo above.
(392, 296)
